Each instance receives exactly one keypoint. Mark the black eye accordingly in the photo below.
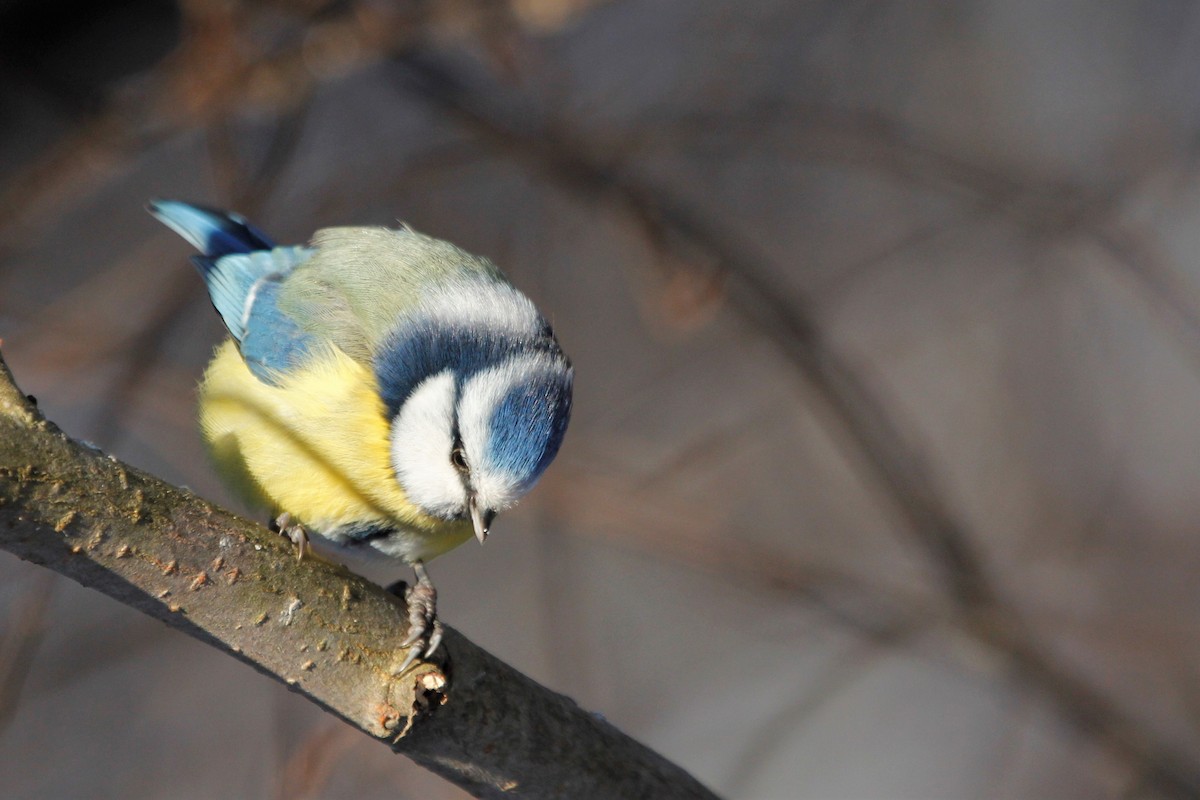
(459, 459)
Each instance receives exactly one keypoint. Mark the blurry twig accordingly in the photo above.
(140, 356)
(558, 570)
(771, 738)
(308, 769)
(609, 510)
(1042, 208)
(248, 186)
(20, 642)
(999, 782)
(706, 451)
(434, 160)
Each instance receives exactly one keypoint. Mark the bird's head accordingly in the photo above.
(479, 411)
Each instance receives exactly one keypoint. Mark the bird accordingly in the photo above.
(380, 389)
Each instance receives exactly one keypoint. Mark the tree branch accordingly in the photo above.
(328, 634)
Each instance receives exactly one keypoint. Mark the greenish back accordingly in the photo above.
(361, 281)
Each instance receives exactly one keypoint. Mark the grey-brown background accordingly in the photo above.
(882, 478)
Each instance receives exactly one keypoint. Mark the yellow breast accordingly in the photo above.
(316, 446)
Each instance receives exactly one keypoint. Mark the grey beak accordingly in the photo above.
(482, 520)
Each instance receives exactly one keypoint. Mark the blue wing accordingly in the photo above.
(273, 342)
(243, 269)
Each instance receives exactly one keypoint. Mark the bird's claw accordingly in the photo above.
(424, 628)
(294, 531)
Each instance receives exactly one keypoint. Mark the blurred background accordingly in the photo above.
(882, 478)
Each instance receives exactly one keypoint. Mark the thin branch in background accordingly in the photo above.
(1188, 681)
(79, 162)
(775, 733)
(82, 331)
(998, 784)
(1136, 789)
(1134, 256)
(564, 617)
(710, 451)
(313, 761)
(428, 164)
(1060, 209)
(666, 472)
(682, 292)
(248, 186)
(868, 139)
(435, 162)
(1109, 498)
(104, 653)
(606, 503)
(20, 641)
(600, 507)
(622, 409)
(140, 356)
(853, 273)
(1063, 209)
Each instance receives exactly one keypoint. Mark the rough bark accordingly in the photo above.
(328, 634)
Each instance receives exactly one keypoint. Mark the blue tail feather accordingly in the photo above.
(214, 233)
(242, 269)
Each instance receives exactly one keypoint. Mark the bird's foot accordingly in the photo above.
(424, 628)
(294, 531)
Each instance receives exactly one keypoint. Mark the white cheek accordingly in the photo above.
(421, 444)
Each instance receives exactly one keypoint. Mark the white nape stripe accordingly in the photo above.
(480, 303)
(421, 445)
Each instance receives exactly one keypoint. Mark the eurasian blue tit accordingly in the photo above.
(379, 387)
